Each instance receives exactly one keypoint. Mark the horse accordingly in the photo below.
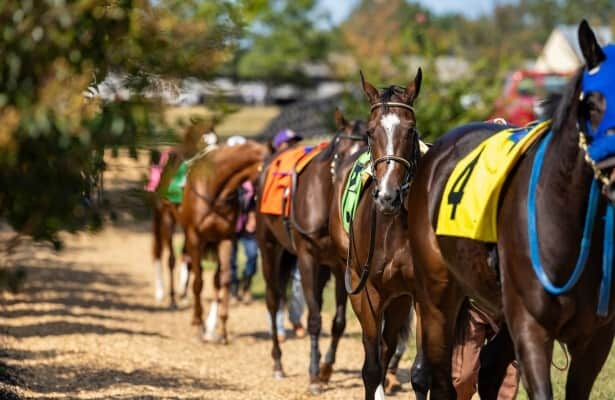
(209, 211)
(538, 234)
(308, 241)
(378, 255)
(166, 212)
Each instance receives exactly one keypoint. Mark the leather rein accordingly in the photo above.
(410, 169)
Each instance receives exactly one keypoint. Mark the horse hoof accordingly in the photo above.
(173, 305)
(315, 388)
(278, 375)
(325, 372)
(215, 338)
(391, 384)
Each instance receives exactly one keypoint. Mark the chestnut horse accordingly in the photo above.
(378, 255)
(310, 243)
(553, 221)
(209, 213)
(166, 213)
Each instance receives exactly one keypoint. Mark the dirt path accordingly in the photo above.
(86, 326)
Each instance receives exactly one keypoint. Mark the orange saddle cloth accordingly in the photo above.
(279, 177)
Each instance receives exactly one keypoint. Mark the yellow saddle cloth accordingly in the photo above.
(470, 201)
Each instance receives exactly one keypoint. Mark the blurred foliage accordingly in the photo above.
(390, 43)
(53, 135)
(281, 39)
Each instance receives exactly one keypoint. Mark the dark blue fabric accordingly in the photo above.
(250, 247)
(602, 80)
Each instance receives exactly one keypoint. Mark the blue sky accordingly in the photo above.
(340, 9)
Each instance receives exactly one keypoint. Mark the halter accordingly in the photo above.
(409, 165)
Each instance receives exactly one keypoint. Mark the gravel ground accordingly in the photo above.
(86, 326)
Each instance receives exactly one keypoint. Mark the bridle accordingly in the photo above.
(410, 168)
(410, 165)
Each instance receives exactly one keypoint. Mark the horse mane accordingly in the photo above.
(562, 108)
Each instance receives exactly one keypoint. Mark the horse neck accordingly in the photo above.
(565, 181)
(235, 175)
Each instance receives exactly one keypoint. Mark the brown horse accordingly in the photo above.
(449, 268)
(378, 254)
(166, 213)
(208, 214)
(308, 241)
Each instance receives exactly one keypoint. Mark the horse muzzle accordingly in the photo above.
(388, 201)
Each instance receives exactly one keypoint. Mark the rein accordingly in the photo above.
(365, 270)
(607, 256)
(215, 202)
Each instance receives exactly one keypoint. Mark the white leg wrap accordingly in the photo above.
(159, 284)
(212, 320)
(184, 275)
(379, 393)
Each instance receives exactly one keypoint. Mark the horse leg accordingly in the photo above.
(184, 273)
(366, 306)
(211, 323)
(157, 227)
(193, 246)
(395, 333)
(338, 325)
(583, 368)
(533, 345)
(225, 248)
(439, 309)
(168, 229)
(273, 295)
(309, 269)
(420, 373)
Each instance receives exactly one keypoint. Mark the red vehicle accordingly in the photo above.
(523, 92)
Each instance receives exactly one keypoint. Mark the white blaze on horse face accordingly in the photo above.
(389, 122)
(379, 395)
(159, 282)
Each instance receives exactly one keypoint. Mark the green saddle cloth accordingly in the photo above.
(354, 186)
(175, 190)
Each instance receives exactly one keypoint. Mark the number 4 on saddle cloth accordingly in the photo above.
(470, 201)
(278, 182)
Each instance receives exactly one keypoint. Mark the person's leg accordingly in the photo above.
(296, 303)
(251, 249)
(234, 278)
(466, 353)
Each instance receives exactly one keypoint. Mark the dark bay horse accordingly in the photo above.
(448, 268)
(376, 249)
(209, 213)
(311, 245)
(166, 212)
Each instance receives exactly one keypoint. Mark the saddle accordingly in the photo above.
(470, 200)
(282, 172)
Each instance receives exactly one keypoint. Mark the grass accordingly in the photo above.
(246, 121)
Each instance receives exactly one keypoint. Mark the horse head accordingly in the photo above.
(596, 111)
(393, 141)
(350, 136)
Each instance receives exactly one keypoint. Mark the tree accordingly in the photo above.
(52, 137)
(281, 38)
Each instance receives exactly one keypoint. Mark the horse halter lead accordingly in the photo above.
(410, 166)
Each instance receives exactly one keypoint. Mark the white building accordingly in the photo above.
(562, 53)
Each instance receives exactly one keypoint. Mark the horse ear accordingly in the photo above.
(340, 121)
(413, 89)
(592, 52)
(369, 89)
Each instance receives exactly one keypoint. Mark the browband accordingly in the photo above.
(392, 104)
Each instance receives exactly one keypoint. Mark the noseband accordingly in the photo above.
(410, 166)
